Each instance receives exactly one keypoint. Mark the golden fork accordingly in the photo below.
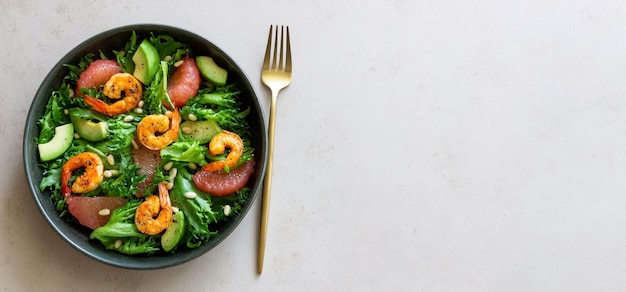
(276, 74)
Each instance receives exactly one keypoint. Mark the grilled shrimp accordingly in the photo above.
(155, 214)
(122, 86)
(89, 180)
(157, 131)
(218, 145)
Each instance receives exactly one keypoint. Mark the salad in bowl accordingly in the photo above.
(145, 146)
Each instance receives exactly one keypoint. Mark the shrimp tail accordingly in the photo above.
(97, 105)
(213, 166)
(164, 197)
(66, 190)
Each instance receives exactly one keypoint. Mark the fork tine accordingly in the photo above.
(275, 64)
(288, 54)
(281, 65)
(268, 49)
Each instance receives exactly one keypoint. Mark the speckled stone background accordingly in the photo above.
(422, 146)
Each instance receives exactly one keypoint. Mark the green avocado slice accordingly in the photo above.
(89, 125)
(211, 71)
(174, 232)
(62, 140)
(147, 62)
(201, 131)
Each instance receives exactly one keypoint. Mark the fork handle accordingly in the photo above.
(267, 184)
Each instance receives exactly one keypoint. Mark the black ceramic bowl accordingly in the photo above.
(114, 39)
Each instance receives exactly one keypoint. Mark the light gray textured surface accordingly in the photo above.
(422, 146)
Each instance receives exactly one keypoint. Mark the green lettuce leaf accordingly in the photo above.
(188, 151)
(125, 184)
(125, 57)
(198, 211)
(156, 95)
(167, 46)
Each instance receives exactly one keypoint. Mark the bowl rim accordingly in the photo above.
(31, 160)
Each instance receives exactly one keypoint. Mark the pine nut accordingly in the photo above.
(170, 185)
(168, 114)
(76, 136)
(71, 92)
(135, 146)
(175, 209)
(192, 166)
(138, 110)
(167, 58)
(227, 210)
(104, 212)
(111, 159)
(168, 165)
(128, 118)
(187, 130)
(65, 111)
(178, 63)
(192, 117)
(173, 172)
(140, 104)
(190, 195)
(107, 173)
(118, 243)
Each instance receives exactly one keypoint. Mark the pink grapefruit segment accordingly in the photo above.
(219, 183)
(148, 161)
(184, 82)
(88, 209)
